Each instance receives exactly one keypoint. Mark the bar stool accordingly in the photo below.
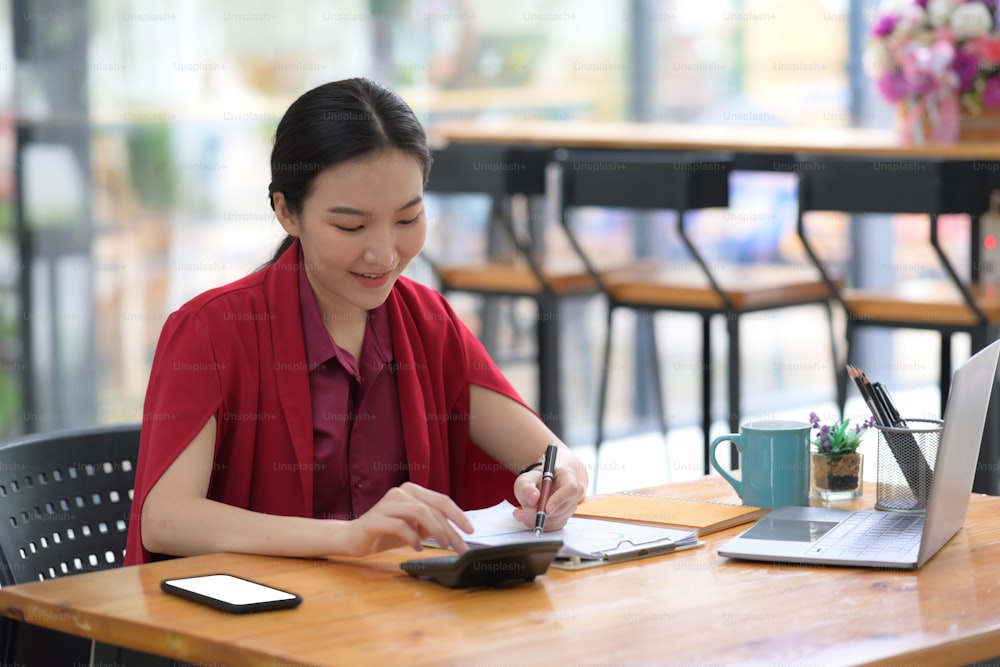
(515, 266)
(863, 184)
(645, 180)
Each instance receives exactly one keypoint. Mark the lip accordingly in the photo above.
(372, 280)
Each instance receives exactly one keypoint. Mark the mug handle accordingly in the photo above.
(735, 439)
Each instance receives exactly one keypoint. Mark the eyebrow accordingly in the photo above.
(348, 210)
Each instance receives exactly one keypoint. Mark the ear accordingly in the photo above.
(288, 220)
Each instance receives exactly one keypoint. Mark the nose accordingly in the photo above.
(381, 251)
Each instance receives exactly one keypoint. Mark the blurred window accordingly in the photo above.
(183, 98)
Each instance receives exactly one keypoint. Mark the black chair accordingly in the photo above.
(515, 264)
(946, 303)
(682, 182)
(65, 502)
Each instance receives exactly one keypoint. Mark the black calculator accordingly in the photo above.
(487, 566)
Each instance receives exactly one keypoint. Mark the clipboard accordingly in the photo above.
(587, 542)
(622, 554)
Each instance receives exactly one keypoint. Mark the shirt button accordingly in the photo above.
(358, 483)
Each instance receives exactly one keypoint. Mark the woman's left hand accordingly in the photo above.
(567, 492)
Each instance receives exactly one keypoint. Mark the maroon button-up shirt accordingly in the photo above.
(357, 426)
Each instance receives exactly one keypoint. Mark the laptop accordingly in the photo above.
(824, 536)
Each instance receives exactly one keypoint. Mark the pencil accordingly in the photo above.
(864, 387)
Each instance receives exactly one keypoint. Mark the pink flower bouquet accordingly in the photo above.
(936, 59)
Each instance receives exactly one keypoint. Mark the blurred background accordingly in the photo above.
(134, 147)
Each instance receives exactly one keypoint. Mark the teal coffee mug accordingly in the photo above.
(774, 460)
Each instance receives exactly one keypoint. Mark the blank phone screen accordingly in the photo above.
(230, 589)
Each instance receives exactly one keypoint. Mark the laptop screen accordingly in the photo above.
(964, 421)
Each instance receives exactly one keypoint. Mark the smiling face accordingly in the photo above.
(360, 225)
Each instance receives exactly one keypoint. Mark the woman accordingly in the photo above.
(326, 405)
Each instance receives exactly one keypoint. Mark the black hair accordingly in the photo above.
(335, 122)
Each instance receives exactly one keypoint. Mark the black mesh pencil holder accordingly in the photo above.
(906, 457)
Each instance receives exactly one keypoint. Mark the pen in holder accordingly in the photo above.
(906, 458)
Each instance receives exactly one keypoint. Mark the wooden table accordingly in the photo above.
(747, 143)
(691, 607)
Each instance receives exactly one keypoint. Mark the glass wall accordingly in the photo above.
(749, 64)
(12, 360)
(182, 98)
(753, 63)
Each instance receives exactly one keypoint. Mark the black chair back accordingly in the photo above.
(913, 185)
(65, 500)
(645, 180)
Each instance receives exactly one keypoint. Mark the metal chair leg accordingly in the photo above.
(547, 332)
(706, 390)
(849, 335)
(944, 375)
(659, 391)
(839, 369)
(661, 414)
(735, 410)
(602, 394)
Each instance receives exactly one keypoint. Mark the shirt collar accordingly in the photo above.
(320, 346)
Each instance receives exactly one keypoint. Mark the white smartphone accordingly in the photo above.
(231, 594)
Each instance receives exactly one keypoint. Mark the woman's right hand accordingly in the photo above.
(408, 515)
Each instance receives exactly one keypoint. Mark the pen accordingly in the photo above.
(548, 477)
(897, 420)
(878, 394)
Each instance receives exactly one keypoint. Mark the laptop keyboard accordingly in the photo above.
(871, 536)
